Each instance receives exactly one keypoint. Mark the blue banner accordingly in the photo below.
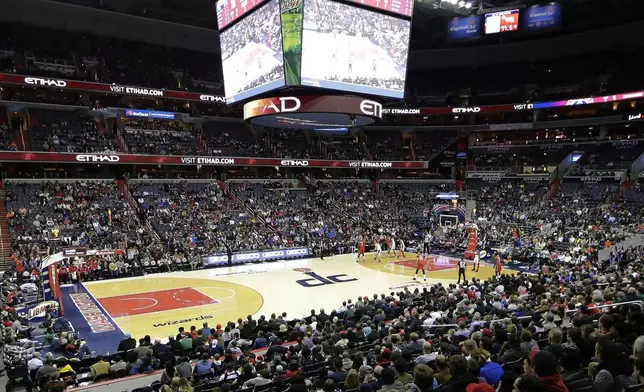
(542, 17)
(149, 114)
(36, 312)
(464, 28)
(247, 257)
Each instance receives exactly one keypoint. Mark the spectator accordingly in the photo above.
(489, 370)
(529, 383)
(117, 366)
(638, 373)
(353, 380)
(203, 366)
(183, 368)
(262, 378)
(339, 374)
(389, 381)
(428, 354)
(613, 370)
(18, 373)
(100, 368)
(460, 373)
(423, 379)
(575, 378)
(128, 343)
(443, 374)
(403, 377)
(35, 362)
(544, 366)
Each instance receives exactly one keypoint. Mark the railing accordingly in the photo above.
(640, 303)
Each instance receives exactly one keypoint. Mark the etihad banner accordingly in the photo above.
(515, 107)
(591, 179)
(23, 156)
(66, 84)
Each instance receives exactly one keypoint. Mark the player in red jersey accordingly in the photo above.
(361, 251)
(94, 268)
(499, 266)
(420, 265)
(84, 269)
(63, 273)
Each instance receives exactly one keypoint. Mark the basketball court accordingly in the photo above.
(158, 304)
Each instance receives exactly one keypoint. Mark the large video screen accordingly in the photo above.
(542, 17)
(501, 22)
(400, 7)
(464, 28)
(251, 53)
(353, 49)
(228, 11)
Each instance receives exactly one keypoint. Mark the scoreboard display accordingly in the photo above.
(502, 22)
(228, 11)
(400, 7)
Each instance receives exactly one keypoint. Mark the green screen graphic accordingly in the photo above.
(292, 15)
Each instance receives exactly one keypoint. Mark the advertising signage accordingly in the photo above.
(516, 107)
(149, 114)
(65, 84)
(542, 17)
(467, 28)
(52, 157)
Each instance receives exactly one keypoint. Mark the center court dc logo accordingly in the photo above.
(315, 280)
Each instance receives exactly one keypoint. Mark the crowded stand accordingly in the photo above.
(428, 144)
(340, 145)
(6, 140)
(55, 130)
(527, 160)
(288, 143)
(199, 218)
(573, 328)
(389, 146)
(100, 58)
(159, 138)
(56, 214)
(231, 139)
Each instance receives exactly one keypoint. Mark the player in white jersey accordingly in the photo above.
(476, 262)
(378, 251)
(401, 245)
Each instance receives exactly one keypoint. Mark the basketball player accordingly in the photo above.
(462, 265)
(392, 246)
(499, 266)
(420, 265)
(378, 251)
(361, 251)
(402, 248)
(476, 263)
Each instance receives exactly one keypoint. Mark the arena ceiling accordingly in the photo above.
(429, 23)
